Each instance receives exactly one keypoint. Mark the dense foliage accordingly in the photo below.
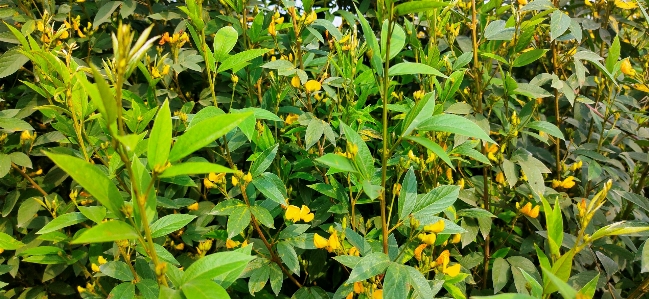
(365, 149)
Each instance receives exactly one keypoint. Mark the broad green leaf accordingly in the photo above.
(613, 54)
(62, 221)
(314, 132)
(94, 213)
(421, 111)
(271, 186)
(333, 30)
(554, 222)
(433, 147)
(107, 232)
(7, 242)
(454, 124)
(417, 6)
(620, 228)
(238, 221)
(203, 133)
(258, 279)
(117, 269)
(92, 179)
(533, 169)
(536, 289)
(227, 207)
(169, 224)
(168, 293)
(561, 269)
(203, 289)
(160, 138)
(276, 278)
(338, 162)
(21, 159)
(544, 126)
(104, 13)
(437, 200)
(124, 290)
(14, 124)
(529, 57)
(396, 283)
(408, 194)
(594, 59)
(564, 289)
(419, 283)
(412, 68)
(191, 168)
(19, 36)
(148, 288)
(263, 161)
(369, 266)
(224, 41)
(559, 23)
(5, 164)
(287, 254)
(375, 60)
(589, 289)
(363, 159)
(500, 274)
(397, 39)
(11, 61)
(497, 30)
(263, 216)
(216, 264)
(239, 58)
(310, 293)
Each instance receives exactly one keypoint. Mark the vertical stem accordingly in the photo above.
(384, 156)
(555, 67)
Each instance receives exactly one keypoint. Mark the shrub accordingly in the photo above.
(374, 149)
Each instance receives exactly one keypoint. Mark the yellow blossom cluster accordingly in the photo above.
(528, 210)
(295, 214)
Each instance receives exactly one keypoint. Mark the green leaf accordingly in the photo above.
(562, 269)
(224, 41)
(500, 274)
(419, 283)
(21, 159)
(564, 289)
(14, 124)
(117, 269)
(554, 222)
(363, 159)
(62, 221)
(498, 30)
(549, 128)
(238, 221)
(397, 39)
(7, 242)
(338, 162)
(263, 161)
(433, 147)
(94, 213)
(408, 194)
(536, 289)
(533, 169)
(258, 279)
(124, 290)
(104, 13)
(288, 255)
(314, 132)
(191, 168)
(240, 58)
(19, 36)
(203, 133)
(276, 278)
(263, 215)
(271, 186)
(559, 23)
(437, 200)
(396, 282)
(11, 61)
(529, 57)
(421, 111)
(169, 224)
(160, 138)
(613, 54)
(412, 68)
(376, 60)
(107, 232)
(620, 228)
(589, 289)
(203, 289)
(417, 6)
(216, 264)
(5, 164)
(92, 179)
(369, 266)
(102, 96)
(454, 124)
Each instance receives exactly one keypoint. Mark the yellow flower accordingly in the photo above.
(500, 178)
(576, 166)
(40, 26)
(568, 183)
(556, 184)
(165, 70)
(350, 295)
(353, 251)
(491, 150)
(215, 178)
(319, 241)
(291, 118)
(626, 4)
(452, 271)
(155, 73)
(428, 238)
(418, 95)
(305, 214)
(80, 289)
(443, 259)
(456, 238)
(94, 267)
(208, 184)
(526, 209)
(312, 86)
(25, 135)
(626, 66)
(235, 181)
(419, 250)
(523, 176)
(522, 2)
(101, 260)
(293, 213)
(229, 244)
(193, 207)
(358, 287)
(271, 29)
(436, 227)
(64, 34)
(334, 242)
(180, 246)
(534, 212)
(460, 183)
(247, 178)
(449, 174)
(311, 18)
(295, 81)
(234, 78)
(378, 294)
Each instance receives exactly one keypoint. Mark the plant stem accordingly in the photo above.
(31, 181)
(384, 156)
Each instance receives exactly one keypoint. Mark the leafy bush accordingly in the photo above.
(367, 149)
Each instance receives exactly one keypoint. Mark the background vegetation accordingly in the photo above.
(348, 149)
